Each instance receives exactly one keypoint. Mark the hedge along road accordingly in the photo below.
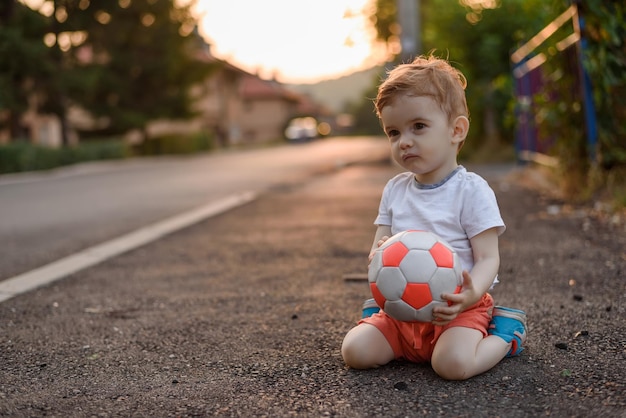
(57, 222)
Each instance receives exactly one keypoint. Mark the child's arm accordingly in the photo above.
(477, 282)
(383, 232)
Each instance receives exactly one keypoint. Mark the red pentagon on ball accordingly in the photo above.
(378, 297)
(417, 295)
(393, 255)
(442, 255)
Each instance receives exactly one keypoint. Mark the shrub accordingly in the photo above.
(22, 156)
(176, 144)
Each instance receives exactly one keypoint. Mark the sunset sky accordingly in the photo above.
(295, 40)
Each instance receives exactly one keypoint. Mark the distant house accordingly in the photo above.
(240, 107)
(235, 106)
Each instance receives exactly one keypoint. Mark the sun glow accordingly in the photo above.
(292, 40)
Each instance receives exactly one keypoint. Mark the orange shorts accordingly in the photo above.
(415, 341)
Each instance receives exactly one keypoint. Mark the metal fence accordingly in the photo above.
(532, 82)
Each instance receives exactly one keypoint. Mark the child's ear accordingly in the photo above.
(460, 128)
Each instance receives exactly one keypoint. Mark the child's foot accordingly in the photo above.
(369, 308)
(510, 325)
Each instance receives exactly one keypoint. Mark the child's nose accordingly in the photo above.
(405, 142)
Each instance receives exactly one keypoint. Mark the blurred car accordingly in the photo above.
(301, 129)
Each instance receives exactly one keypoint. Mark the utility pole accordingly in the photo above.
(410, 23)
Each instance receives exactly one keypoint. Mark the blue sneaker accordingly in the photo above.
(510, 325)
(369, 308)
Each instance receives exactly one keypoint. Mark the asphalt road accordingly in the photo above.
(50, 215)
(243, 315)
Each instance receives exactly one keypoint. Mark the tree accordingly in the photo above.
(137, 63)
(125, 62)
(23, 62)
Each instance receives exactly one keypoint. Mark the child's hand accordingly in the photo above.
(378, 243)
(458, 302)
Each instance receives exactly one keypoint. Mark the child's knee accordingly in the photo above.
(452, 368)
(354, 352)
(365, 347)
(351, 355)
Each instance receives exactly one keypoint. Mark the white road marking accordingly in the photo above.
(91, 256)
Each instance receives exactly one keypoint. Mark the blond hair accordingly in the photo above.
(426, 76)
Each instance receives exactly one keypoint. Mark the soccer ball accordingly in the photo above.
(410, 271)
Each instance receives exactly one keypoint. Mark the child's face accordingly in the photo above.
(422, 139)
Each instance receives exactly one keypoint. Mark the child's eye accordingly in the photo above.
(418, 126)
(392, 133)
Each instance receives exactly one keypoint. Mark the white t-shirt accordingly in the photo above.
(457, 209)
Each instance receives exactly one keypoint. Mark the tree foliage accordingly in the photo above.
(23, 62)
(143, 62)
(126, 62)
(605, 60)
